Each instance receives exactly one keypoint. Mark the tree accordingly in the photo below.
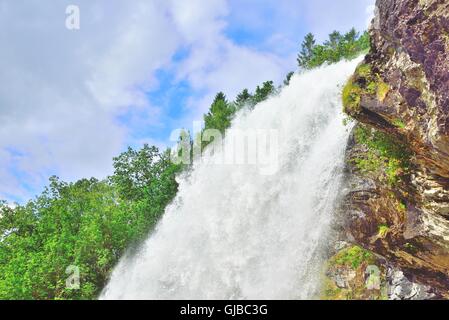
(263, 92)
(134, 170)
(220, 114)
(306, 51)
(334, 40)
(351, 36)
(336, 48)
(288, 78)
(87, 224)
(242, 99)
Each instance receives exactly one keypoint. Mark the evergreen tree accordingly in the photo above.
(336, 48)
(306, 51)
(263, 92)
(334, 39)
(220, 114)
(242, 99)
(288, 78)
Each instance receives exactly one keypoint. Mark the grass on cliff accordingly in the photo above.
(353, 256)
(385, 155)
(351, 265)
(363, 82)
(383, 230)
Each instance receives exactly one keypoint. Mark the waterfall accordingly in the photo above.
(235, 233)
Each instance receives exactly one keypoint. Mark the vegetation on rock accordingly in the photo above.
(385, 156)
(363, 82)
(347, 277)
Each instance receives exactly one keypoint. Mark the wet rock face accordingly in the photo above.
(402, 90)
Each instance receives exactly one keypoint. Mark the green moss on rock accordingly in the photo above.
(383, 230)
(363, 82)
(353, 256)
(382, 90)
(351, 97)
(385, 156)
(348, 276)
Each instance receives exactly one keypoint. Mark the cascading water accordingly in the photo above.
(234, 233)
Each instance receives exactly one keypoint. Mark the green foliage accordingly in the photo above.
(399, 123)
(363, 82)
(88, 224)
(402, 207)
(242, 99)
(263, 92)
(220, 114)
(353, 256)
(307, 48)
(364, 70)
(383, 230)
(288, 77)
(336, 48)
(382, 90)
(385, 155)
(351, 97)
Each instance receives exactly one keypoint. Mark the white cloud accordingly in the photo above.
(61, 91)
(324, 16)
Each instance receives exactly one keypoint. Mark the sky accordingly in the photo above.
(72, 99)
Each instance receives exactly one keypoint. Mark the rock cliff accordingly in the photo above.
(396, 203)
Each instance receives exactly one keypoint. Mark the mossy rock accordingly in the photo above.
(348, 276)
(382, 90)
(351, 97)
(385, 158)
(363, 82)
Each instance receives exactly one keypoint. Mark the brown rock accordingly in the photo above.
(409, 67)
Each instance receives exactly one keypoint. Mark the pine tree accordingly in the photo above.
(334, 39)
(263, 92)
(306, 52)
(220, 114)
(242, 99)
(288, 78)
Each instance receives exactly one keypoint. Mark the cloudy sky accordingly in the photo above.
(70, 100)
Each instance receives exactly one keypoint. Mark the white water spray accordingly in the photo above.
(233, 233)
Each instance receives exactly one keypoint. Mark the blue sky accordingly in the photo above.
(70, 100)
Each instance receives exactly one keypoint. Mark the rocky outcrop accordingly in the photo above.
(397, 198)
